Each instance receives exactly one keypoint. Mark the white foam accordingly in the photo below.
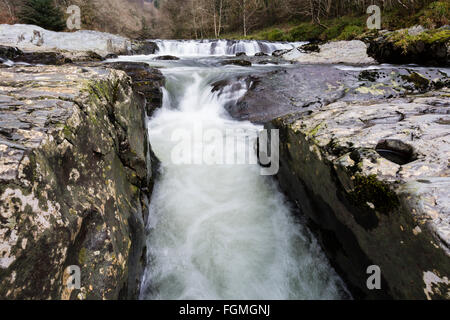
(219, 47)
(222, 232)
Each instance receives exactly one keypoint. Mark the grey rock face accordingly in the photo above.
(32, 38)
(146, 80)
(76, 173)
(366, 208)
(39, 46)
(304, 89)
(364, 155)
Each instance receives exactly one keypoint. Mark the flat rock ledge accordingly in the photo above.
(374, 179)
(83, 45)
(349, 52)
(76, 173)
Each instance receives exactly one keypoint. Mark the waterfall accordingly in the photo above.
(220, 47)
(222, 231)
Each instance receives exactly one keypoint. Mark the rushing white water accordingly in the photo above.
(220, 47)
(221, 231)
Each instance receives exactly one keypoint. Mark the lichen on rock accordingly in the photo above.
(366, 208)
(76, 173)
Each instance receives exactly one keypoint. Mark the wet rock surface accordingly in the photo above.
(237, 62)
(307, 88)
(76, 173)
(364, 155)
(146, 80)
(47, 57)
(166, 57)
(367, 208)
(143, 47)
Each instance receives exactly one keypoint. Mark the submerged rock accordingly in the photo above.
(166, 57)
(76, 173)
(237, 62)
(261, 54)
(281, 52)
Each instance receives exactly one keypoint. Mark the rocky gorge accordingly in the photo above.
(364, 152)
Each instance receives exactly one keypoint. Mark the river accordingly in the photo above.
(218, 228)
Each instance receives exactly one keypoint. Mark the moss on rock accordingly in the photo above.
(370, 191)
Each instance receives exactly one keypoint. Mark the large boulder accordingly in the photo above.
(415, 45)
(76, 173)
(34, 38)
(82, 45)
(351, 52)
(373, 179)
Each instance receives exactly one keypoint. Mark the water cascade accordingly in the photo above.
(219, 47)
(221, 230)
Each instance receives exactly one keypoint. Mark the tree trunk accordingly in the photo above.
(220, 18)
(244, 17)
(215, 24)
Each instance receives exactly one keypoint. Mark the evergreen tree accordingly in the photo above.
(43, 13)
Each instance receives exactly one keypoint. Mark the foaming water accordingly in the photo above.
(220, 47)
(222, 231)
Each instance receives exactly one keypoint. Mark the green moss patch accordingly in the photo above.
(370, 191)
(419, 81)
(403, 40)
(82, 256)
